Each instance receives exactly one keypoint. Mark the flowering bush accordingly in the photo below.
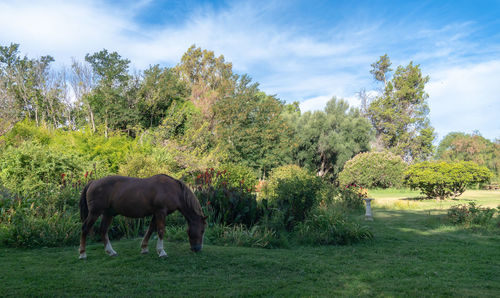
(470, 214)
(352, 195)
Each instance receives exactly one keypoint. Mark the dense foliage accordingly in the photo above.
(442, 180)
(327, 139)
(374, 170)
(223, 202)
(400, 114)
(262, 169)
(457, 146)
(470, 214)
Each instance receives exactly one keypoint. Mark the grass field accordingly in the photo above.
(414, 253)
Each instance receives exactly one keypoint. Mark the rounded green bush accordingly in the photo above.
(374, 170)
(294, 191)
(443, 179)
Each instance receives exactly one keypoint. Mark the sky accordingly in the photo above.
(305, 51)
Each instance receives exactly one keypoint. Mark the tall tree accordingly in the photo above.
(210, 79)
(159, 91)
(328, 139)
(400, 115)
(251, 126)
(30, 86)
(108, 99)
(381, 68)
(9, 108)
(83, 81)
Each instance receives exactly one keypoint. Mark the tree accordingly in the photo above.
(30, 88)
(458, 146)
(252, 128)
(400, 115)
(160, 91)
(108, 98)
(328, 139)
(83, 81)
(210, 79)
(381, 68)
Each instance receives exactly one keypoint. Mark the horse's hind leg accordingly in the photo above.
(86, 226)
(145, 240)
(160, 227)
(105, 223)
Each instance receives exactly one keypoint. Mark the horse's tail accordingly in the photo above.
(84, 209)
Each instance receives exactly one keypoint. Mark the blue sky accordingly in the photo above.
(306, 51)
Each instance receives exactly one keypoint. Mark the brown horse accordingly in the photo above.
(158, 196)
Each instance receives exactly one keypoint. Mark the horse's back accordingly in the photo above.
(134, 197)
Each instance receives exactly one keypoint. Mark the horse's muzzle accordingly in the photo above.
(196, 248)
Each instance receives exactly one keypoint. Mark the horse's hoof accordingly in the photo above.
(83, 256)
(112, 254)
(144, 251)
(162, 254)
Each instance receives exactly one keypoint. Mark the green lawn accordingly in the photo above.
(414, 253)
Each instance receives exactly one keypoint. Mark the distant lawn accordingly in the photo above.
(415, 253)
(415, 200)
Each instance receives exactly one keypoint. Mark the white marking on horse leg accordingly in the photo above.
(109, 249)
(144, 250)
(159, 249)
(83, 256)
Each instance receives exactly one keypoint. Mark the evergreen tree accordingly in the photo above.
(400, 114)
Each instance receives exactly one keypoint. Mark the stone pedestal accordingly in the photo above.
(368, 215)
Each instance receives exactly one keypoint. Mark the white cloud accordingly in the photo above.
(317, 103)
(466, 98)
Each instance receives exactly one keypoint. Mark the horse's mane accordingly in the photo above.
(190, 200)
(188, 197)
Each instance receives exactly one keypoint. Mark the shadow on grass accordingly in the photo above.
(417, 199)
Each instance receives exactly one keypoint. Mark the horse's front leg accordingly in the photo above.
(105, 223)
(145, 240)
(160, 226)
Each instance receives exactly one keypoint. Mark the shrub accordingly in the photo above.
(142, 165)
(374, 170)
(224, 204)
(351, 197)
(293, 191)
(282, 173)
(330, 227)
(24, 227)
(31, 169)
(442, 179)
(237, 175)
(470, 214)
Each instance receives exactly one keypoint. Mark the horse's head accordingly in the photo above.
(196, 229)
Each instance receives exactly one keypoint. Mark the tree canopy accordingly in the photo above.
(200, 113)
(400, 114)
(328, 139)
